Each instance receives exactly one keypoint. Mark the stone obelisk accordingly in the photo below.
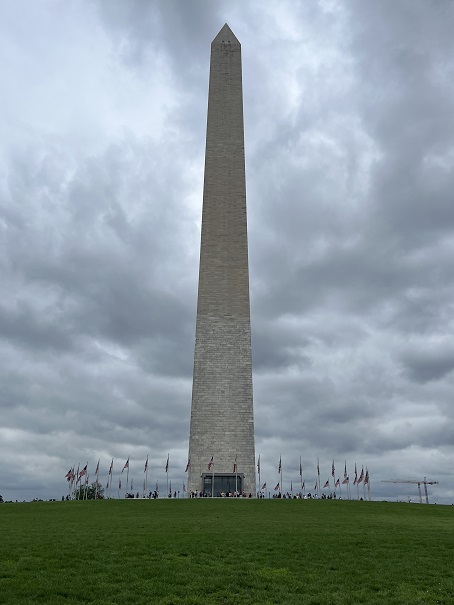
(222, 417)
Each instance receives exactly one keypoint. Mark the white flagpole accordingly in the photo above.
(70, 483)
(260, 480)
(86, 482)
(282, 485)
(146, 479)
(111, 477)
(97, 477)
(76, 494)
(236, 474)
(167, 475)
(127, 477)
(212, 481)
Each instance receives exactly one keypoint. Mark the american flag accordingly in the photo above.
(83, 471)
(345, 470)
(126, 465)
(366, 478)
(234, 466)
(167, 464)
(332, 469)
(111, 467)
(345, 480)
(263, 486)
(258, 465)
(301, 469)
(211, 463)
(337, 484)
(188, 466)
(326, 484)
(280, 464)
(276, 488)
(146, 465)
(361, 477)
(97, 468)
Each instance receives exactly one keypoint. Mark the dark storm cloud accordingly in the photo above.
(179, 30)
(428, 365)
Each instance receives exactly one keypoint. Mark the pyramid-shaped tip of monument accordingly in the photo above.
(226, 35)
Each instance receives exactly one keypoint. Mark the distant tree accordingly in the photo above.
(89, 492)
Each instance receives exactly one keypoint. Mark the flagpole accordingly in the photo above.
(76, 495)
(236, 474)
(97, 478)
(146, 478)
(167, 475)
(301, 475)
(187, 469)
(282, 485)
(260, 480)
(212, 482)
(111, 476)
(69, 484)
(127, 477)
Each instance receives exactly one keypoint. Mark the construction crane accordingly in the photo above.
(424, 482)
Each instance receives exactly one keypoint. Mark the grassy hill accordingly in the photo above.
(226, 552)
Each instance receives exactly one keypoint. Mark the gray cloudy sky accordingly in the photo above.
(349, 135)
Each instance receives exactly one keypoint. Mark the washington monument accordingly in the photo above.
(221, 441)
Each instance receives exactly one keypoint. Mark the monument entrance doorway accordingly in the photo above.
(224, 483)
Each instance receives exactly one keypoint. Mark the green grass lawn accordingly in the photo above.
(226, 552)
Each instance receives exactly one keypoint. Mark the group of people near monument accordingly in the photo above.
(203, 494)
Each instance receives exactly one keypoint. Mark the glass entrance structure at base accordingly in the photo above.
(224, 483)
